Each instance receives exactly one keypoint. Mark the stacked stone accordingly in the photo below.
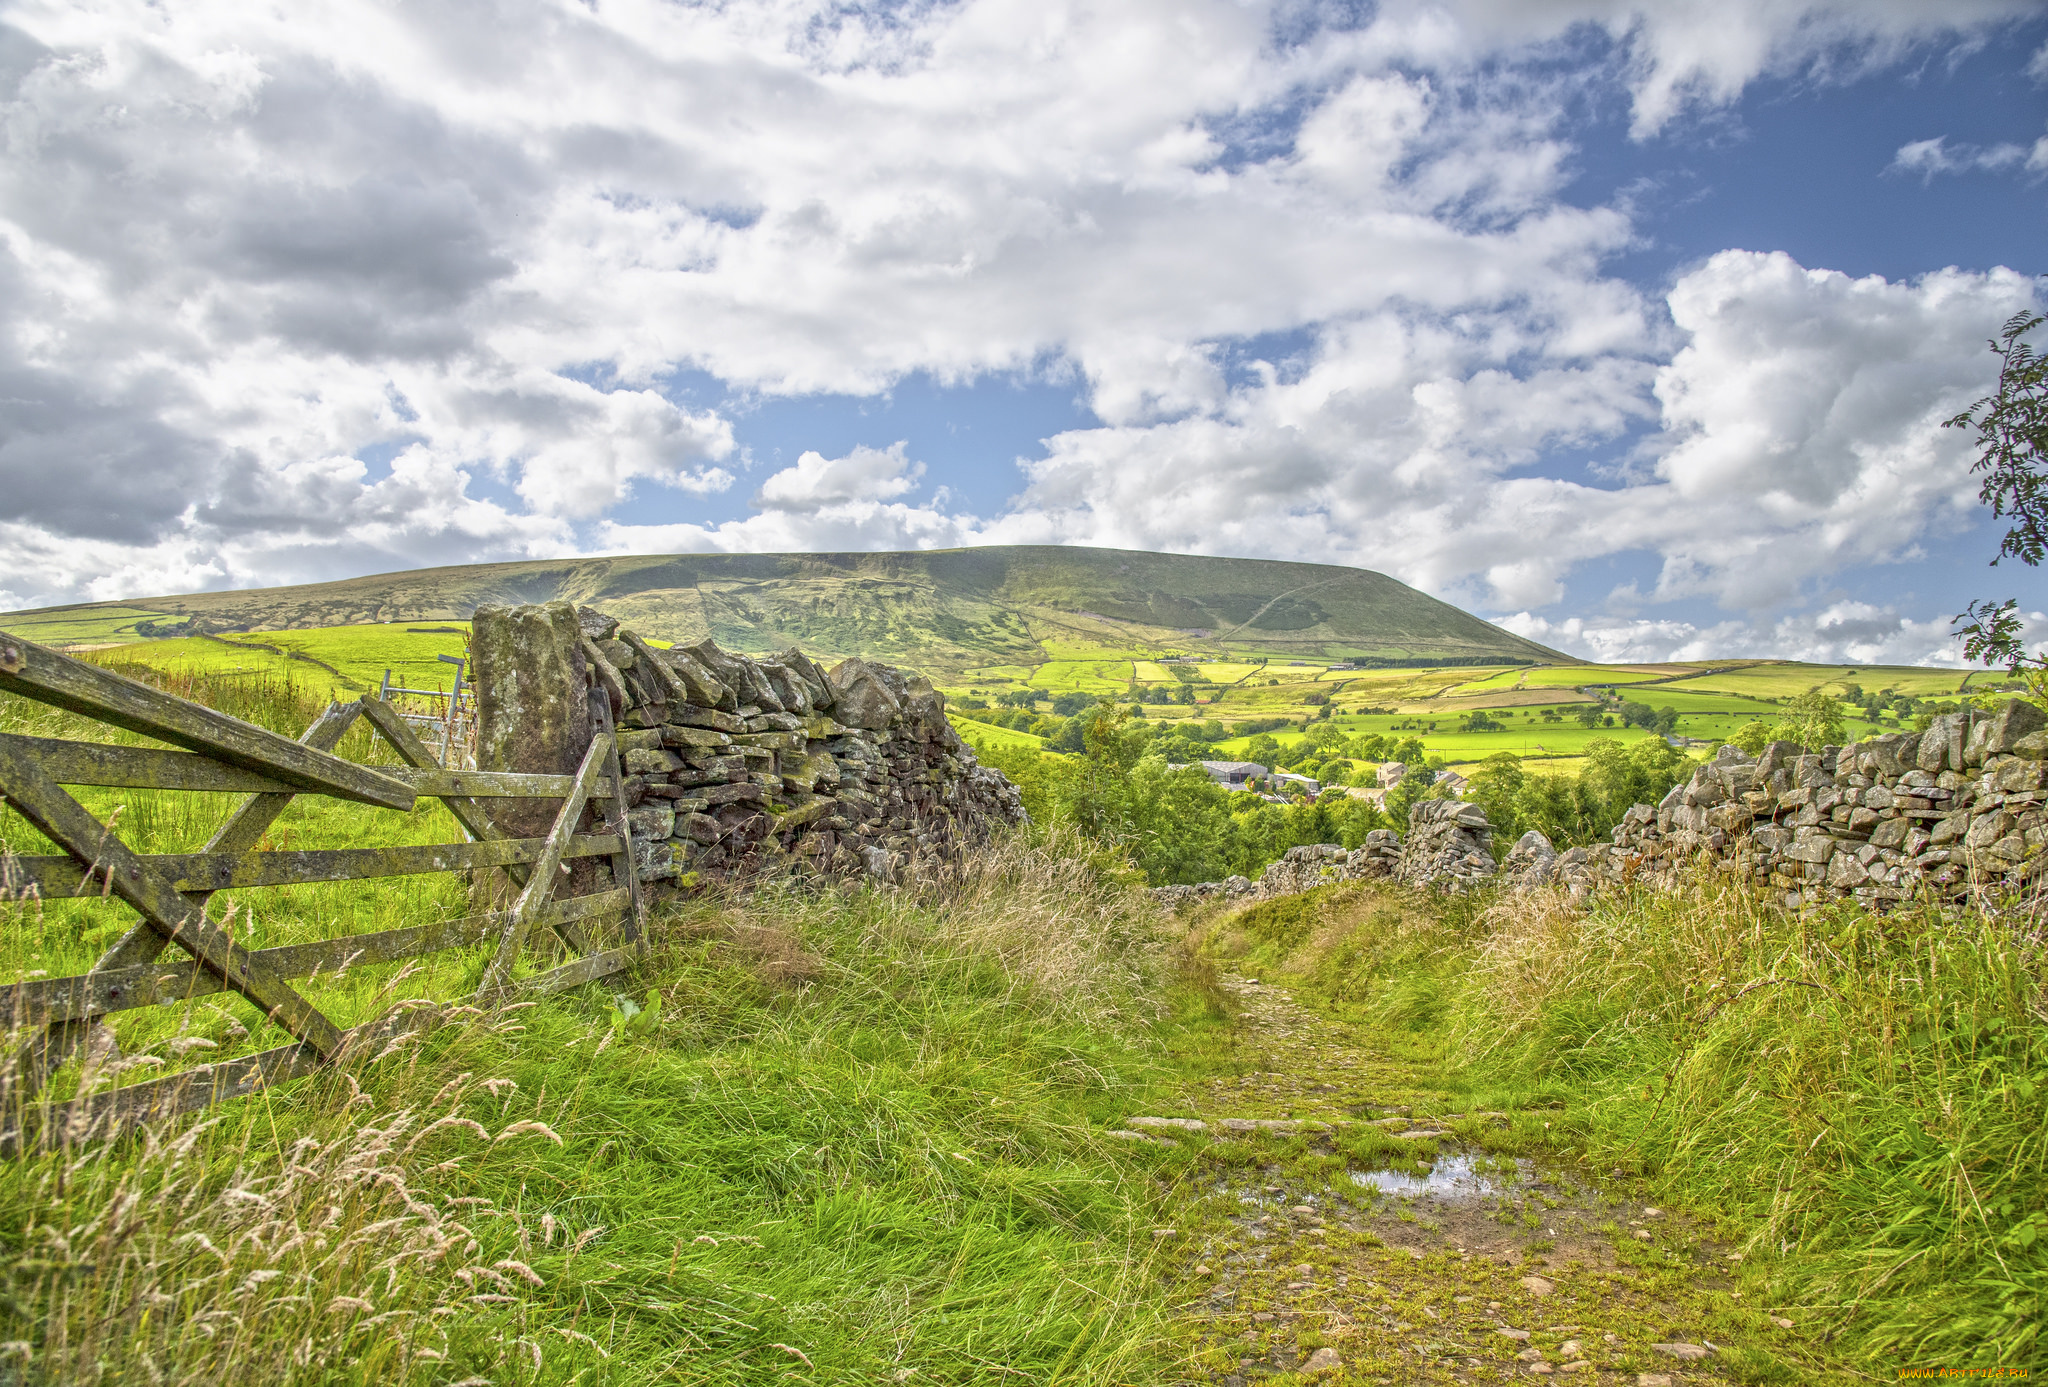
(1449, 845)
(1447, 850)
(735, 765)
(1962, 805)
(1230, 888)
(1378, 856)
(1301, 869)
(1532, 859)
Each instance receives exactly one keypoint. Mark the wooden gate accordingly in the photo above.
(170, 891)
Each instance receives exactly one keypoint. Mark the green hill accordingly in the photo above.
(946, 610)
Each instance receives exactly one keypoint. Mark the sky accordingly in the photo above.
(1628, 326)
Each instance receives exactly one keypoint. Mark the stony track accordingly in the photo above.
(1366, 1228)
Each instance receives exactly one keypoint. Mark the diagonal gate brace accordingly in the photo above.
(71, 826)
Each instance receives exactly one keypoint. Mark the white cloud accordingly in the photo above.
(242, 247)
(1841, 633)
(1930, 157)
(865, 474)
(1799, 435)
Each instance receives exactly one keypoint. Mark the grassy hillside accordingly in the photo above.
(943, 610)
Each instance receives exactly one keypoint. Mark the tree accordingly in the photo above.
(2012, 453)
(1072, 702)
(1814, 719)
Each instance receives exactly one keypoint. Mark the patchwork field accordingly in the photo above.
(1093, 652)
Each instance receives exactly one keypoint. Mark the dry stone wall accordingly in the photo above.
(736, 766)
(1960, 808)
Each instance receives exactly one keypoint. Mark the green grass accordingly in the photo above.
(108, 624)
(1572, 676)
(345, 659)
(983, 735)
(1857, 1101)
(1787, 680)
(857, 1145)
(1095, 676)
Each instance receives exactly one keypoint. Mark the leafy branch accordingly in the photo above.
(2012, 444)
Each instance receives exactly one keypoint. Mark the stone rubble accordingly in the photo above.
(734, 766)
(1961, 808)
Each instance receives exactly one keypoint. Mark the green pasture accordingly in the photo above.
(1087, 676)
(1572, 676)
(1494, 682)
(85, 626)
(1789, 680)
(1152, 672)
(982, 735)
(1225, 672)
(357, 655)
(996, 678)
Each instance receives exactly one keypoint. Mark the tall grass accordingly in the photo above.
(1866, 1097)
(855, 1147)
(1863, 1099)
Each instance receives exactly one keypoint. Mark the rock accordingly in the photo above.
(1323, 1360)
(1520, 1336)
(699, 828)
(1532, 859)
(1987, 829)
(651, 820)
(595, 624)
(700, 683)
(528, 668)
(1538, 1285)
(1781, 1322)
(1653, 1380)
(860, 697)
(1685, 1352)
(654, 858)
(1942, 744)
(1178, 1124)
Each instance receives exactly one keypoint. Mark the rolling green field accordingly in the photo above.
(1428, 703)
(346, 659)
(982, 735)
(1786, 680)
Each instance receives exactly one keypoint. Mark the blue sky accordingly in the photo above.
(1628, 326)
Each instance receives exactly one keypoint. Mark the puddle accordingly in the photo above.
(1452, 1177)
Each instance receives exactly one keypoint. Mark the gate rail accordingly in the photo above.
(171, 891)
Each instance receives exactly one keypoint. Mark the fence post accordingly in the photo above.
(529, 677)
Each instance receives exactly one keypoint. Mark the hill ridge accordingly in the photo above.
(943, 608)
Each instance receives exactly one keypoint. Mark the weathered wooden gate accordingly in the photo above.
(171, 891)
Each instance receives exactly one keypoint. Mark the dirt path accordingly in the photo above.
(1370, 1230)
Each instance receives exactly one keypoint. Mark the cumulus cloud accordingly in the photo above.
(1797, 433)
(821, 505)
(1840, 633)
(293, 294)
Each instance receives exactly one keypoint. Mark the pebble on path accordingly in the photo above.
(1323, 1360)
(1686, 1352)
